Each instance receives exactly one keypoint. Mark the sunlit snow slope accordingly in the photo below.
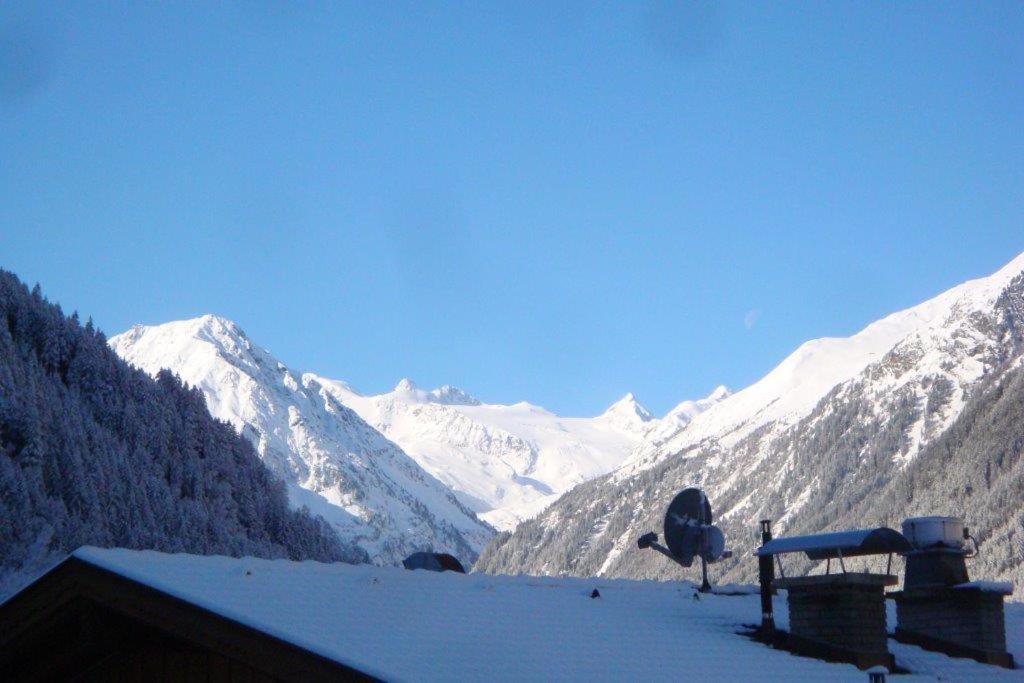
(335, 463)
(506, 462)
(940, 337)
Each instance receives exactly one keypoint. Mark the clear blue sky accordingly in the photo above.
(553, 204)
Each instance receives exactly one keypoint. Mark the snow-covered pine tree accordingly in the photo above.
(93, 451)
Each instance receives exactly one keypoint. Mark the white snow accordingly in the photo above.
(792, 389)
(334, 462)
(427, 626)
(1003, 587)
(687, 410)
(504, 462)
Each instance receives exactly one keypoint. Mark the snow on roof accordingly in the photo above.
(840, 543)
(1002, 587)
(419, 625)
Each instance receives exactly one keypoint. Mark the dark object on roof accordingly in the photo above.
(687, 512)
(83, 622)
(878, 541)
(689, 534)
(435, 562)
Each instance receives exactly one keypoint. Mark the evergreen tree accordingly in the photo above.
(93, 451)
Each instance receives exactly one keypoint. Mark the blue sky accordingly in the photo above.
(558, 203)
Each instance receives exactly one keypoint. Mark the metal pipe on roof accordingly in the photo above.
(766, 574)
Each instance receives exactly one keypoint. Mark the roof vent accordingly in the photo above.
(435, 562)
(939, 607)
(935, 532)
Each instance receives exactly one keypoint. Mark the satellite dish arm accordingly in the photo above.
(650, 540)
(664, 551)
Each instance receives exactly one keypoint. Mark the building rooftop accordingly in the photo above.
(420, 625)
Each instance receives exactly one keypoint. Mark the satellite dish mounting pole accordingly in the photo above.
(705, 585)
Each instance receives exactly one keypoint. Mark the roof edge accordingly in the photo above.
(76, 578)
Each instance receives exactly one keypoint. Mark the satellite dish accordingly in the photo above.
(714, 544)
(689, 533)
(690, 503)
(688, 512)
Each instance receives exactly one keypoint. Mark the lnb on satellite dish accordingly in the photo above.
(689, 534)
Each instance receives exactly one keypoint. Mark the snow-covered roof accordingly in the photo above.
(419, 625)
(1001, 587)
(840, 543)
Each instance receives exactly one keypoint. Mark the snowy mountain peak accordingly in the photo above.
(405, 386)
(197, 349)
(687, 410)
(629, 407)
(626, 416)
(505, 462)
(407, 390)
(657, 431)
(333, 462)
(918, 410)
(212, 320)
(721, 392)
(452, 396)
(209, 327)
(219, 325)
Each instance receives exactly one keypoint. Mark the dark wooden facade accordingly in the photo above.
(80, 622)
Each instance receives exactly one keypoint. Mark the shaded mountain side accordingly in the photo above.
(903, 438)
(95, 452)
(974, 470)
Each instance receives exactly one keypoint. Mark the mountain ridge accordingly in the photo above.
(503, 462)
(334, 463)
(506, 462)
(93, 451)
(812, 460)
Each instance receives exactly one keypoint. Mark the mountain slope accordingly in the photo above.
(939, 330)
(506, 462)
(334, 462)
(95, 452)
(836, 428)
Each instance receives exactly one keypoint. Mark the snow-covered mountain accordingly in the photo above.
(940, 337)
(93, 451)
(334, 463)
(843, 433)
(505, 462)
